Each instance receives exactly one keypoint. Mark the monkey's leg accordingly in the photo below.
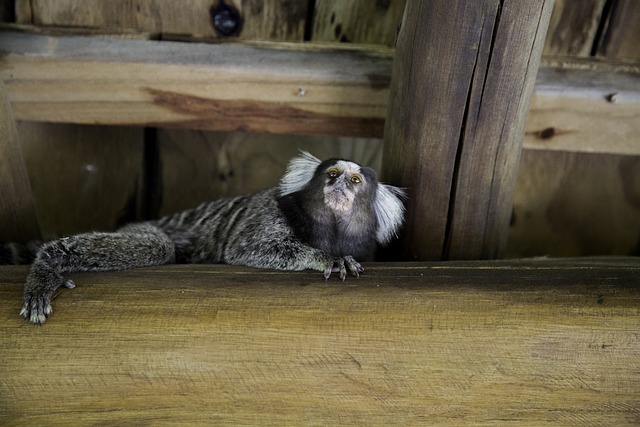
(137, 245)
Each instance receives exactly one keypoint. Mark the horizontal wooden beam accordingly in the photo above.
(281, 88)
(585, 107)
(474, 343)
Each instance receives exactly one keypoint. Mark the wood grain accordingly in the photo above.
(18, 220)
(518, 343)
(573, 27)
(227, 87)
(622, 34)
(84, 178)
(357, 21)
(575, 204)
(271, 20)
(589, 110)
(301, 90)
(455, 121)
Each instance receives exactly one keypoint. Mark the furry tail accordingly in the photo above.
(18, 253)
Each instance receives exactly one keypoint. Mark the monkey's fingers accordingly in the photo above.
(36, 308)
(354, 266)
(39, 290)
(336, 266)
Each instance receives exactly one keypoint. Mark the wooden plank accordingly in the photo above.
(521, 343)
(70, 83)
(456, 117)
(219, 87)
(573, 27)
(357, 21)
(17, 213)
(273, 20)
(621, 37)
(83, 178)
(590, 110)
(575, 204)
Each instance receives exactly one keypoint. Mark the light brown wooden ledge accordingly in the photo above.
(531, 342)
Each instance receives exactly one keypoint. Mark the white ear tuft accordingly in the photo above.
(389, 211)
(299, 172)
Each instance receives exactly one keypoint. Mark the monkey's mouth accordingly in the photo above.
(338, 199)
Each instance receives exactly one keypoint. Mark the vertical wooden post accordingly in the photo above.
(17, 214)
(462, 80)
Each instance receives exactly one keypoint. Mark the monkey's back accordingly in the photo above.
(228, 229)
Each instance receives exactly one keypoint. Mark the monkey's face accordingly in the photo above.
(344, 180)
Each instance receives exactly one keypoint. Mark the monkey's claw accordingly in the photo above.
(39, 289)
(36, 309)
(341, 265)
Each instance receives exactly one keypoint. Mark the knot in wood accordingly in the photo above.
(226, 19)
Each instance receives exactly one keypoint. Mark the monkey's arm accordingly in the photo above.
(292, 255)
(137, 245)
(265, 240)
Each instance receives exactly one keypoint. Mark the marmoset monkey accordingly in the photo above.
(322, 216)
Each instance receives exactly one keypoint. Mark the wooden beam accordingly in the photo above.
(580, 106)
(287, 89)
(571, 109)
(529, 342)
(17, 213)
(463, 76)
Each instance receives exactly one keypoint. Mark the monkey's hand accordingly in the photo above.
(341, 265)
(41, 283)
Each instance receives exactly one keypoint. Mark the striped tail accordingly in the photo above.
(18, 253)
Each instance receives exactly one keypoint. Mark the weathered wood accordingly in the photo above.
(573, 27)
(273, 20)
(17, 213)
(575, 204)
(456, 117)
(218, 87)
(83, 178)
(106, 87)
(622, 35)
(522, 343)
(591, 110)
(357, 21)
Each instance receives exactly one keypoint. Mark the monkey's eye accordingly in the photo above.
(333, 173)
(356, 179)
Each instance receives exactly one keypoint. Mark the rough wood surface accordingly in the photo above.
(575, 204)
(455, 122)
(573, 27)
(519, 343)
(590, 110)
(577, 105)
(290, 89)
(357, 21)
(621, 39)
(83, 178)
(266, 20)
(17, 212)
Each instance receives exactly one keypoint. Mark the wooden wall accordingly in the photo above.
(84, 177)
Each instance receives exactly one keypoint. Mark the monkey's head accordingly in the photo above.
(349, 190)
(343, 182)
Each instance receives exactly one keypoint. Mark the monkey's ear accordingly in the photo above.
(389, 210)
(299, 172)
